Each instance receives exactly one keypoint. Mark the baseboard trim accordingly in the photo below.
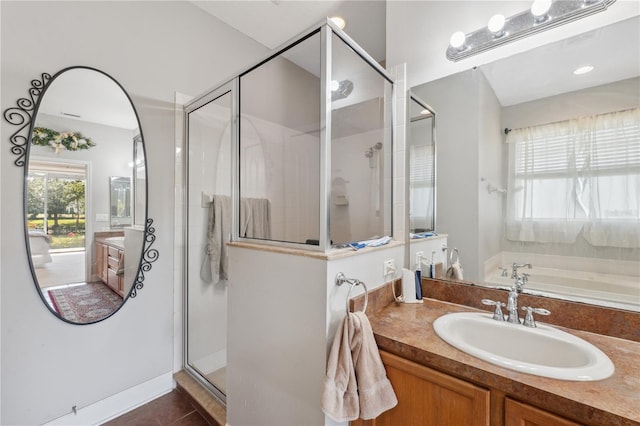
(118, 404)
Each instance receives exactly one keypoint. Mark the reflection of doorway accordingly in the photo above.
(56, 219)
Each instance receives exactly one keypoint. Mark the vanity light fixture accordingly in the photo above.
(540, 9)
(457, 40)
(496, 25)
(543, 15)
(583, 70)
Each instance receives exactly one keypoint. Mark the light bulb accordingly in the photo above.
(496, 24)
(335, 85)
(457, 39)
(539, 9)
(339, 21)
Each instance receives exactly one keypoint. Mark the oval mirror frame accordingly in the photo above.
(24, 116)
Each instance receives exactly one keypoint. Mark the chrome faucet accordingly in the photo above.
(520, 279)
(512, 305)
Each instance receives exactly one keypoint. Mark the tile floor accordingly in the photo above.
(173, 409)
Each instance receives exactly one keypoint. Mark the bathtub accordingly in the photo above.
(614, 283)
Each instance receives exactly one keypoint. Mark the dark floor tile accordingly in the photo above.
(171, 407)
(193, 419)
(141, 416)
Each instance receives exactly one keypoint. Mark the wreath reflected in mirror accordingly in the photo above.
(71, 141)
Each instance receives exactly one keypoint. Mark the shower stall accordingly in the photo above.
(296, 152)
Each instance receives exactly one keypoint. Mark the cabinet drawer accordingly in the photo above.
(517, 414)
(113, 252)
(113, 263)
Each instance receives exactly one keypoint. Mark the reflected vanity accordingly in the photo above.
(81, 146)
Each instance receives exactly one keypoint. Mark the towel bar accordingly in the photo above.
(341, 279)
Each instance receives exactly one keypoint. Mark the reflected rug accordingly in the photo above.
(84, 303)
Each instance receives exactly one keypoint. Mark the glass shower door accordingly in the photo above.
(209, 185)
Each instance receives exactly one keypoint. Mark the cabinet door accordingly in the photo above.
(429, 398)
(102, 262)
(519, 414)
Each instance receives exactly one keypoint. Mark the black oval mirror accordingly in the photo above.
(85, 195)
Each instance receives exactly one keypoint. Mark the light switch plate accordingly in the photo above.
(102, 217)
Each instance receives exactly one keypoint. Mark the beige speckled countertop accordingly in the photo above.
(406, 330)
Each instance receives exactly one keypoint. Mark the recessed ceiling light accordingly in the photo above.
(339, 21)
(583, 70)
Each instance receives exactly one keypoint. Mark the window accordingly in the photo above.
(581, 175)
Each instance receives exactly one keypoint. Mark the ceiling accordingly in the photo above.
(422, 30)
(419, 39)
(548, 70)
(274, 22)
(73, 93)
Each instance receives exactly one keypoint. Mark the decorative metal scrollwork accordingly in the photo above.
(22, 116)
(149, 256)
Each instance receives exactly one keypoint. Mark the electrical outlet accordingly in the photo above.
(389, 268)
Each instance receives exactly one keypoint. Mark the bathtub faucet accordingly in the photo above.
(521, 279)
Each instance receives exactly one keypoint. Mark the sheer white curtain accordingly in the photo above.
(580, 175)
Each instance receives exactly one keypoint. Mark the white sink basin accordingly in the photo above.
(543, 351)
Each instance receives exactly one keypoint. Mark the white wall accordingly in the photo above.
(491, 167)
(468, 147)
(456, 100)
(283, 313)
(618, 96)
(153, 49)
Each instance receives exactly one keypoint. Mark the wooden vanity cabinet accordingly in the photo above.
(428, 397)
(519, 414)
(102, 260)
(107, 260)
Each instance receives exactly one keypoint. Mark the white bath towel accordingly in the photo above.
(454, 271)
(214, 265)
(356, 383)
(255, 218)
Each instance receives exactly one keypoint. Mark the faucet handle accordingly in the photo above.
(497, 314)
(528, 319)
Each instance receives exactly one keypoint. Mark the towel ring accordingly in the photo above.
(341, 279)
(455, 250)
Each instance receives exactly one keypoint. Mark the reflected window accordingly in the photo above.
(421, 146)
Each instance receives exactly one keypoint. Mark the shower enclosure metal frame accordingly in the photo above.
(326, 29)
